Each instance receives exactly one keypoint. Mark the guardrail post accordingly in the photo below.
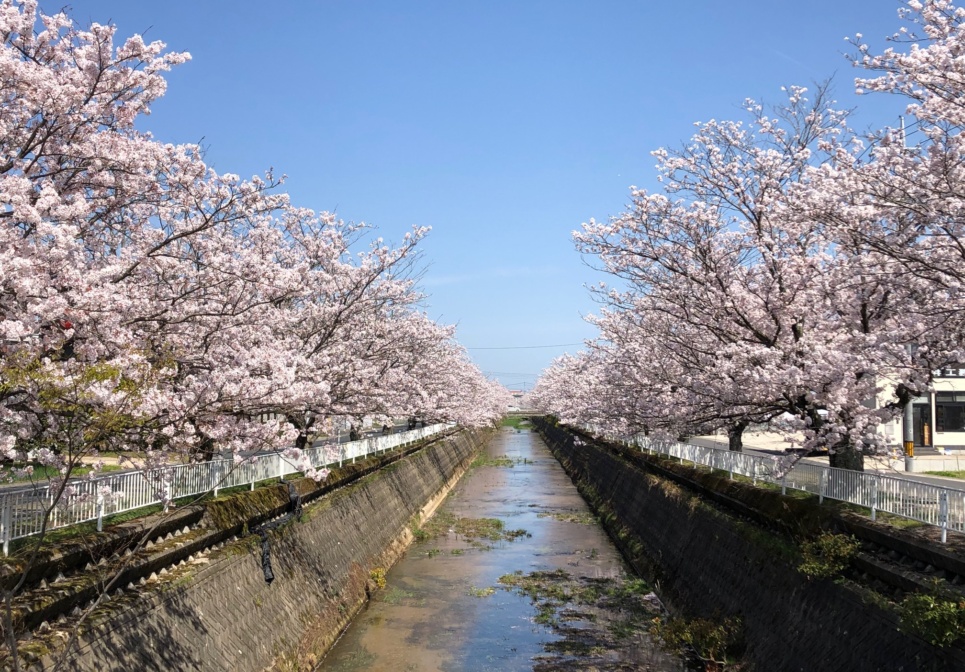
(731, 470)
(874, 498)
(167, 495)
(943, 514)
(5, 532)
(823, 486)
(100, 512)
(215, 473)
(52, 519)
(784, 484)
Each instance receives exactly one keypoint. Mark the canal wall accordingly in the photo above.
(717, 556)
(213, 610)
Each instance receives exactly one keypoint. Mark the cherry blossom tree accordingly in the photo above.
(741, 301)
(150, 303)
(585, 390)
(905, 194)
(74, 174)
(791, 267)
(678, 371)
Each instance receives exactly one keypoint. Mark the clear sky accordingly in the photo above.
(502, 124)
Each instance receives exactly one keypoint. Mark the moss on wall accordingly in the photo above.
(739, 561)
(217, 612)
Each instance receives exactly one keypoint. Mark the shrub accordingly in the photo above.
(827, 555)
(937, 617)
(378, 577)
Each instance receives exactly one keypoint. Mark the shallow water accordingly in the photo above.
(443, 609)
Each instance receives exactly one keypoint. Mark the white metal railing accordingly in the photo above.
(22, 511)
(924, 502)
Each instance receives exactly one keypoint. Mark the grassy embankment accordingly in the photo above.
(516, 422)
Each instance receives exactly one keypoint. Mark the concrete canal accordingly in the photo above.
(511, 573)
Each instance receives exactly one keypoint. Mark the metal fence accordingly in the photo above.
(22, 511)
(930, 504)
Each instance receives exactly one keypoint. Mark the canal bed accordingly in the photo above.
(512, 573)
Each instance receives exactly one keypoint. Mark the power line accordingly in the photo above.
(527, 347)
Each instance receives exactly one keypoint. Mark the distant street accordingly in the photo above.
(922, 455)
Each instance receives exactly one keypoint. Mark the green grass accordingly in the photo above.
(396, 595)
(516, 422)
(481, 592)
(582, 518)
(890, 519)
(123, 453)
(794, 493)
(81, 530)
(486, 461)
(90, 527)
(476, 531)
(898, 521)
(615, 605)
(45, 473)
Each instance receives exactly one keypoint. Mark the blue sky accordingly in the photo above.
(502, 125)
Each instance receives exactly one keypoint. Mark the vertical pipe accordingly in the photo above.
(5, 525)
(908, 430)
(874, 497)
(943, 514)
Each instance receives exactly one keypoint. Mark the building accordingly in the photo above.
(938, 416)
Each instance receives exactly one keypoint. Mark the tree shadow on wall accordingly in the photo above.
(170, 636)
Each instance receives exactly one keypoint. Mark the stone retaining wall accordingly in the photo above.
(217, 612)
(707, 563)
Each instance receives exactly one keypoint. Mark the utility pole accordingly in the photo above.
(909, 430)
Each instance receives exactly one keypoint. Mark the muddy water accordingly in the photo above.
(443, 607)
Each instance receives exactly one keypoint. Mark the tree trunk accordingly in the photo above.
(206, 448)
(304, 429)
(845, 456)
(735, 436)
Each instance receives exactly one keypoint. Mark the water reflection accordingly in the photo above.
(443, 608)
